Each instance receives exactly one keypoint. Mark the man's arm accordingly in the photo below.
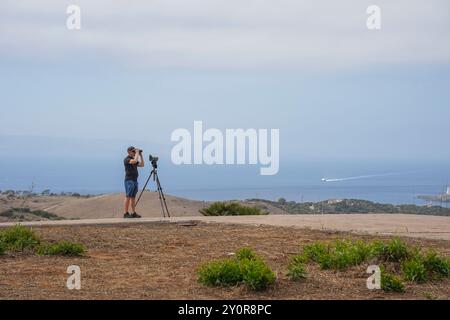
(135, 160)
(141, 163)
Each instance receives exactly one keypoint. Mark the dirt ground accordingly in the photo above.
(159, 261)
(109, 206)
(101, 206)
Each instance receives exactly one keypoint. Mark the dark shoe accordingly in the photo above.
(127, 215)
(135, 215)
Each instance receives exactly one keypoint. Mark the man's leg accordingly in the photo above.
(133, 207)
(127, 204)
(133, 201)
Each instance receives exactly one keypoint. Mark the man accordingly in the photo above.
(132, 161)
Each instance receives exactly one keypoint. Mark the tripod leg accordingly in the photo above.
(160, 200)
(163, 200)
(145, 186)
(159, 195)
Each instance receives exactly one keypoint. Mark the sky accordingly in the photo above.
(136, 71)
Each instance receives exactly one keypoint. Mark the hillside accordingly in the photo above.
(91, 207)
(57, 207)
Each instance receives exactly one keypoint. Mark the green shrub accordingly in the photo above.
(340, 255)
(63, 248)
(347, 253)
(19, 238)
(245, 253)
(315, 252)
(436, 265)
(296, 269)
(245, 267)
(256, 274)
(393, 251)
(226, 272)
(414, 270)
(300, 259)
(230, 209)
(47, 215)
(390, 282)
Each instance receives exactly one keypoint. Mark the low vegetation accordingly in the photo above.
(352, 206)
(245, 267)
(28, 214)
(392, 251)
(436, 266)
(296, 269)
(342, 254)
(391, 282)
(414, 270)
(230, 209)
(224, 273)
(20, 238)
(414, 266)
(62, 248)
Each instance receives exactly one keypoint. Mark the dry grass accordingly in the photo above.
(158, 261)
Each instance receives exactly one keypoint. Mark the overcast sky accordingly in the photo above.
(138, 70)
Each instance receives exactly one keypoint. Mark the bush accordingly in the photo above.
(393, 251)
(342, 254)
(347, 253)
(230, 209)
(63, 248)
(245, 253)
(436, 265)
(315, 252)
(390, 282)
(296, 269)
(19, 238)
(256, 274)
(245, 267)
(46, 215)
(226, 272)
(414, 270)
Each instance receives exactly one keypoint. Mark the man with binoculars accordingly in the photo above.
(132, 161)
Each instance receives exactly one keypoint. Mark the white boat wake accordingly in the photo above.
(358, 177)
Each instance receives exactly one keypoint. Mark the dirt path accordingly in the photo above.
(431, 227)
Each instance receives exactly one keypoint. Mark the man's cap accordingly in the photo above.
(131, 148)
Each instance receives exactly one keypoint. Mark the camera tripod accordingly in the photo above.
(162, 198)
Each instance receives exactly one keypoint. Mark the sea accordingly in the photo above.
(395, 182)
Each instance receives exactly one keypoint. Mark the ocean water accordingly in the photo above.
(314, 193)
(393, 182)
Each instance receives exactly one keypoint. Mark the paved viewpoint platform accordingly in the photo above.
(431, 227)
